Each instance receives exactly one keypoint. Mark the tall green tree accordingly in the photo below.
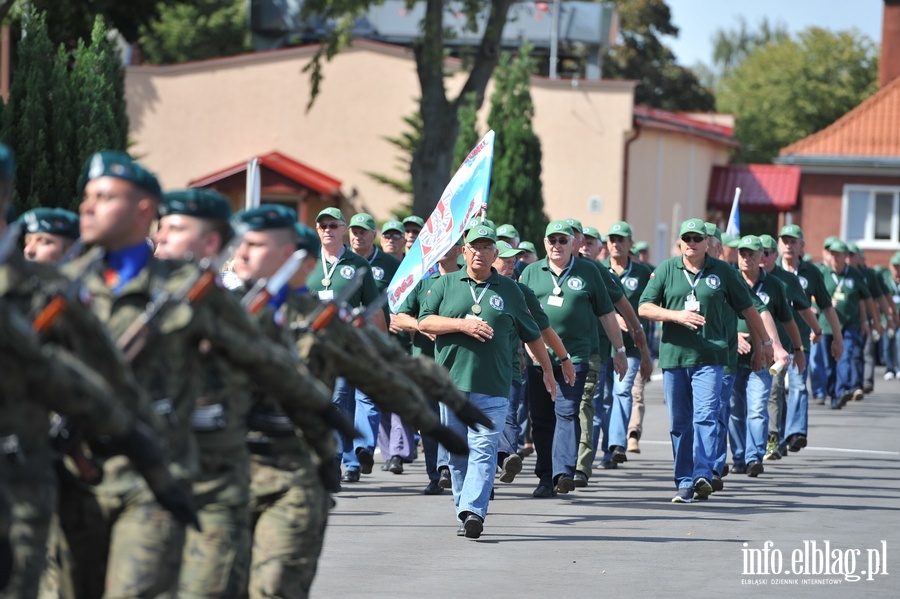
(196, 30)
(643, 56)
(516, 195)
(788, 89)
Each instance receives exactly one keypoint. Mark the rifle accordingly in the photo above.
(266, 288)
(48, 316)
(72, 252)
(361, 314)
(326, 311)
(135, 338)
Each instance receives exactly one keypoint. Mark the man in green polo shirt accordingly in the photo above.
(392, 241)
(690, 294)
(891, 341)
(529, 254)
(49, 233)
(876, 306)
(335, 270)
(473, 314)
(590, 247)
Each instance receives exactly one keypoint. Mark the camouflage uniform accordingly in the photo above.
(122, 535)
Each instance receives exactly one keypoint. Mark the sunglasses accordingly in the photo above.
(693, 238)
(481, 249)
(558, 240)
(332, 226)
(392, 235)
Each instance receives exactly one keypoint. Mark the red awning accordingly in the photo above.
(764, 187)
(283, 165)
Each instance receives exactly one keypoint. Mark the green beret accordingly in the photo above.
(414, 220)
(198, 202)
(363, 220)
(392, 225)
(750, 242)
(620, 228)
(307, 239)
(713, 231)
(768, 242)
(693, 225)
(481, 232)
(591, 232)
(527, 246)
(332, 212)
(51, 220)
(895, 259)
(791, 231)
(507, 231)
(113, 163)
(7, 162)
(267, 216)
(575, 224)
(562, 227)
(508, 251)
(474, 222)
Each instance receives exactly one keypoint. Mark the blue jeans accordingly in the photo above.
(509, 440)
(843, 376)
(722, 424)
(367, 420)
(692, 396)
(554, 424)
(620, 411)
(603, 399)
(748, 425)
(818, 368)
(890, 352)
(473, 475)
(344, 398)
(430, 449)
(797, 418)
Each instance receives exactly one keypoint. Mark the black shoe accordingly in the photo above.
(725, 471)
(350, 476)
(618, 454)
(703, 488)
(739, 469)
(564, 484)
(845, 398)
(819, 401)
(473, 525)
(395, 465)
(717, 484)
(366, 461)
(796, 442)
(445, 481)
(512, 465)
(543, 492)
(581, 479)
(433, 488)
(755, 468)
(608, 465)
(385, 466)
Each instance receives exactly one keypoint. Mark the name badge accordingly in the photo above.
(327, 295)
(692, 305)
(555, 300)
(473, 317)
(839, 296)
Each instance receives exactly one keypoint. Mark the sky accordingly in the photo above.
(698, 20)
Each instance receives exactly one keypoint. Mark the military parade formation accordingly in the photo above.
(186, 389)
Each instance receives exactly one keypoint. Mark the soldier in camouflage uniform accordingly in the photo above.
(122, 535)
(49, 233)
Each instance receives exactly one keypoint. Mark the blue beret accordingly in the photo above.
(51, 220)
(113, 163)
(267, 216)
(198, 202)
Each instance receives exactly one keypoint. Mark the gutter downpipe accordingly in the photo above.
(628, 142)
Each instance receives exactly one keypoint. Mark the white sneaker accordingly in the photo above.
(889, 376)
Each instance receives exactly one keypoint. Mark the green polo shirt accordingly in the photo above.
(582, 299)
(893, 288)
(603, 346)
(634, 280)
(847, 288)
(719, 289)
(874, 286)
(480, 366)
(412, 305)
(772, 294)
(340, 276)
(813, 283)
(798, 300)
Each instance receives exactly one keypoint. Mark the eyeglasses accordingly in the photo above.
(392, 235)
(332, 226)
(482, 249)
(558, 240)
(693, 238)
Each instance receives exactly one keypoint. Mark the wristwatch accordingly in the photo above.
(566, 359)
(620, 350)
(768, 342)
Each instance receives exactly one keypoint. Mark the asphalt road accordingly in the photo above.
(621, 536)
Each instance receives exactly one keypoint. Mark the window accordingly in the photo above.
(871, 216)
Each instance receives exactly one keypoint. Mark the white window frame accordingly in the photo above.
(869, 242)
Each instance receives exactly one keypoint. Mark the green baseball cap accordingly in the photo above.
(853, 248)
(363, 220)
(768, 242)
(527, 246)
(561, 227)
(508, 251)
(713, 230)
(791, 231)
(113, 163)
(7, 162)
(476, 221)
(266, 217)
(55, 221)
(895, 259)
(750, 242)
(307, 239)
(693, 225)
(414, 220)
(640, 246)
(575, 224)
(198, 202)
(829, 240)
(591, 232)
(620, 228)
(392, 225)
(481, 232)
(507, 231)
(332, 212)
(839, 247)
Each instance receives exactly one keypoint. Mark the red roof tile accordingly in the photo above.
(666, 120)
(288, 167)
(870, 129)
(764, 187)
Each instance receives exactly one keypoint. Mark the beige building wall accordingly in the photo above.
(191, 120)
(668, 181)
